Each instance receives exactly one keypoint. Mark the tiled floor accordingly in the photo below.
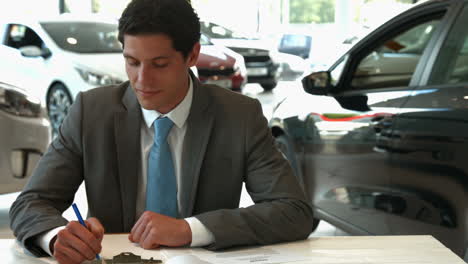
(5, 201)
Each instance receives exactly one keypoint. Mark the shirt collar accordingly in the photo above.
(178, 115)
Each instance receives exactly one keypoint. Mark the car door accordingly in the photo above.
(23, 71)
(349, 169)
(429, 146)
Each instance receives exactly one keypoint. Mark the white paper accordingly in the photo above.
(261, 255)
(116, 244)
(186, 259)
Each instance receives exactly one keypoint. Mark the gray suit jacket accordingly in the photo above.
(227, 143)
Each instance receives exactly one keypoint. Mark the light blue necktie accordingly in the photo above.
(161, 188)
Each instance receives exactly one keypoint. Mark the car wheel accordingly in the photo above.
(269, 87)
(58, 104)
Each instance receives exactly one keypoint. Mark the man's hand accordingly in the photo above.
(153, 230)
(76, 243)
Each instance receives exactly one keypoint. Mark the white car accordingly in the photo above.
(60, 57)
(24, 136)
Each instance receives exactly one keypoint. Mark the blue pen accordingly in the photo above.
(80, 219)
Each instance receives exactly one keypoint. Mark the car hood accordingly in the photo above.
(243, 43)
(107, 63)
(214, 57)
(301, 104)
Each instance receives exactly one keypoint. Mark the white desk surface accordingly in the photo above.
(316, 250)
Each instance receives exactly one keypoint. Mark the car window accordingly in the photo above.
(451, 65)
(392, 63)
(19, 36)
(84, 37)
(298, 45)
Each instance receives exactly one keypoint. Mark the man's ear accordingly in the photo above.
(193, 55)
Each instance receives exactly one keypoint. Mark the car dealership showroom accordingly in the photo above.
(305, 131)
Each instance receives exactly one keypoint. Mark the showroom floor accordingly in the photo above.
(324, 229)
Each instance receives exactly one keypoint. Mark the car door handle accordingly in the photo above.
(440, 148)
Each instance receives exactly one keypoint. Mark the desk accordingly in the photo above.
(317, 250)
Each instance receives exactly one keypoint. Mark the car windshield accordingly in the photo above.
(84, 37)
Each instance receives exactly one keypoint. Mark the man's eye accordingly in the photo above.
(132, 62)
(160, 65)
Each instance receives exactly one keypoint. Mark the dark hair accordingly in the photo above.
(174, 18)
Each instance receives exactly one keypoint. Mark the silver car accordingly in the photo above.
(24, 136)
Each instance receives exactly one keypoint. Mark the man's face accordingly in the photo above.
(157, 72)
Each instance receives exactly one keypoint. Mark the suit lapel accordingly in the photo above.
(127, 139)
(199, 125)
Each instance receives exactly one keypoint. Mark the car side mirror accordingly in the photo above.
(317, 83)
(34, 51)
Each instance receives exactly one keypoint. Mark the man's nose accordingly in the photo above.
(145, 75)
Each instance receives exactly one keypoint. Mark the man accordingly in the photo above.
(216, 140)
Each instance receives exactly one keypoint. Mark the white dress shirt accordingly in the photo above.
(201, 236)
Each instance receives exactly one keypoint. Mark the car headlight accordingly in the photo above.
(15, 102)
(275, 57)
(96, 78)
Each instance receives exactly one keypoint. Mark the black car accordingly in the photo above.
(261, 66)
(380, 140)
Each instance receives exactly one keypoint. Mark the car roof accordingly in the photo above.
(407, 13)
